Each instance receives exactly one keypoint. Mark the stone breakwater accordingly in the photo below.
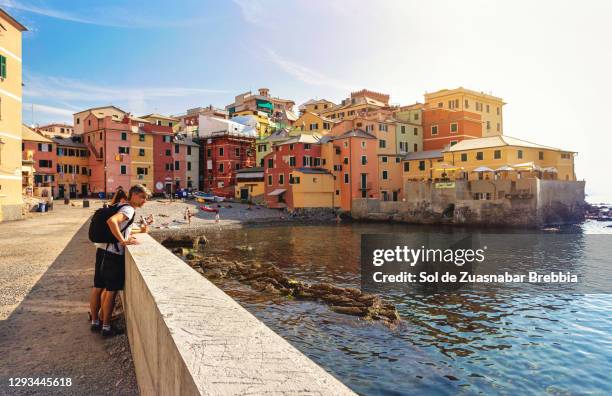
(268, 278)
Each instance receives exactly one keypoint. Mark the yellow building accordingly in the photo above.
(250, 184)
(420, 166)
(259, 120)
(11, 200)
(359, 103)
(494, 157)
(53, 130)
(312, 188)
(160, 120)
(488, 106)
(141, 146)
(316, 106)
(512, 158)
(310, 122)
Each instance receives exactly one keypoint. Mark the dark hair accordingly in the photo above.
(138, 189)
(119, 195)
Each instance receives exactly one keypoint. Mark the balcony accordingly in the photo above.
(368, 186)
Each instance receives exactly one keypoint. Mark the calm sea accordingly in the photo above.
(467, 342)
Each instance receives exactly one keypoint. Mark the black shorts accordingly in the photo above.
(110, 270)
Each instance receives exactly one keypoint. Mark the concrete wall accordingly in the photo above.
(526, 203)
(188, 337)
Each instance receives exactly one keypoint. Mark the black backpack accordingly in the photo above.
(99, 231)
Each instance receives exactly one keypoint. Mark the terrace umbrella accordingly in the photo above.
(505, 168)
(550, 169)
(482, 169)
(448, 167)
(530, 166)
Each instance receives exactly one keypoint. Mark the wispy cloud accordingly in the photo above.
(73, 95)
(33, 110)
(70, 90)
(305, 74)
(109, 16)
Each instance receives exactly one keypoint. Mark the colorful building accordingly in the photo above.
(294, 177)
(494, 157)
(110, 159)
(352, 158)
(142, 168)
(279, 110)
(11, 183)
(409, 128)
(264, 146)
(421, 165)
(511, 158)
(186, 161)
(250, 185)
(101, 112)
(443, 128)
(359, 103)
(53, 130)
(310, 122)
(489, 107)
(72, 169)
(316, 106)
(225, 147)
(42, 150)
(191, 118)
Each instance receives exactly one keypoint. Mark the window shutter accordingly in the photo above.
(3, 66)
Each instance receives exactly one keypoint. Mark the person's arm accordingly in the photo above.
(113, 224)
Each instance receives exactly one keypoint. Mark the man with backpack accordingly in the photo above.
(110, 230)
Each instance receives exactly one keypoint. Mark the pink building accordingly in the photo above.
(163, 158)
(108, 141)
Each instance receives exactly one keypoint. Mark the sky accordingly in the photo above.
(549, 60)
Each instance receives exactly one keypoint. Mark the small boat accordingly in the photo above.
(207, 208)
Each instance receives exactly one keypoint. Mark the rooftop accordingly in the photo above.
(444, 92)
(70, 142)
(319, 171)
(419, 155)
(497, 141)
(28, 134)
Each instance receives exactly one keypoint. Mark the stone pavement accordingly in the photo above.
(46, 272)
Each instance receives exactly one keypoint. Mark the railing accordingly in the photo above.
(368, 186)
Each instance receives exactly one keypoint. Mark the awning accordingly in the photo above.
(550, 169)
(504, 168)
(278, 191)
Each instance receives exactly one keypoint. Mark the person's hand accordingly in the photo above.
(130, 241)
(144, 228)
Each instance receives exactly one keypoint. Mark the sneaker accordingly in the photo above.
(95, 327)
(112, 332)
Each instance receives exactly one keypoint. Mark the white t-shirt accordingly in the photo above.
(128, 211)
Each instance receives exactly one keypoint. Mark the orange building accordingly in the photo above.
(73, 169)
(352, 158)
(444, 128)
